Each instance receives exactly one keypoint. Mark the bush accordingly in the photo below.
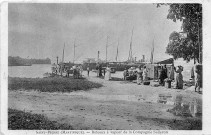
(19, 120)
(54, 84)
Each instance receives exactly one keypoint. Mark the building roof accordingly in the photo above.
(167, 61)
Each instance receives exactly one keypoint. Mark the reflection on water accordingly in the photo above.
(34, 71)
(181, 107)
(165, 99)
(196, 108)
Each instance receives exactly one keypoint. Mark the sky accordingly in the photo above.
(41, 30)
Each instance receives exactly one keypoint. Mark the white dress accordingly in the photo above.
(144, 74)
(108, 74)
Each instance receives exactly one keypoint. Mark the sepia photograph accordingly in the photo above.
(105, 66)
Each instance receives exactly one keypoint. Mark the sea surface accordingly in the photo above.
(37, 70)
(34, 71)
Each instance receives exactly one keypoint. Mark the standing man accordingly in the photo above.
(100, 70)
(97, 69)
(165, 72)
(104, 72)
(198, 77)
(88, 70)
(163, 75)
(125, 73)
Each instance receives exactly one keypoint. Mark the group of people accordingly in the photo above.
(163, 75)
(77, 71)
(100, 70)
(140, 74)
(54, 68)
(60, 69)
(106, 72)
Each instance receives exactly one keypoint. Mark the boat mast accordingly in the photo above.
(74, 52)
(117, 52)
(106, 48)
(130, 51)
(152, 52)
(63, 54)
(62, 60)
(57, 60)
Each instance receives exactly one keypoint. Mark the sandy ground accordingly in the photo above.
(116, 105)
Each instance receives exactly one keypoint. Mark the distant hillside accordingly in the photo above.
(18, 61)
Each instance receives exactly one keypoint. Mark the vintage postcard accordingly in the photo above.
(110, 67)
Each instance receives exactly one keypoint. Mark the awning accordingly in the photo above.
(168, 61)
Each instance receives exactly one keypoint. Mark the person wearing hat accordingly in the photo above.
(179, 77)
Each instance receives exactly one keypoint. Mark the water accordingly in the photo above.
(165, 99)
(37, 70)
(34, 71)
(179, 105)
(192, 108)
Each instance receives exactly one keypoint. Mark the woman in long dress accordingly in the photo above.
(144, 74)
(197, 76)
(139, 75)
(81, 71)
(171, 74)
(74, 72)
(179, 77)
(163, 75)
(108, 74)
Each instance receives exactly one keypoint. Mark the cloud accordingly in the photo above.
(48, 26)
(88, 20)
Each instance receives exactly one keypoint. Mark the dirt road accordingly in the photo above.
(116, 105)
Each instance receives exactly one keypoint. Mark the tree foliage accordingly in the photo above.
(18, 61)
(191, 17)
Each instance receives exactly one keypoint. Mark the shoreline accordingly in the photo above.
(116, 105)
